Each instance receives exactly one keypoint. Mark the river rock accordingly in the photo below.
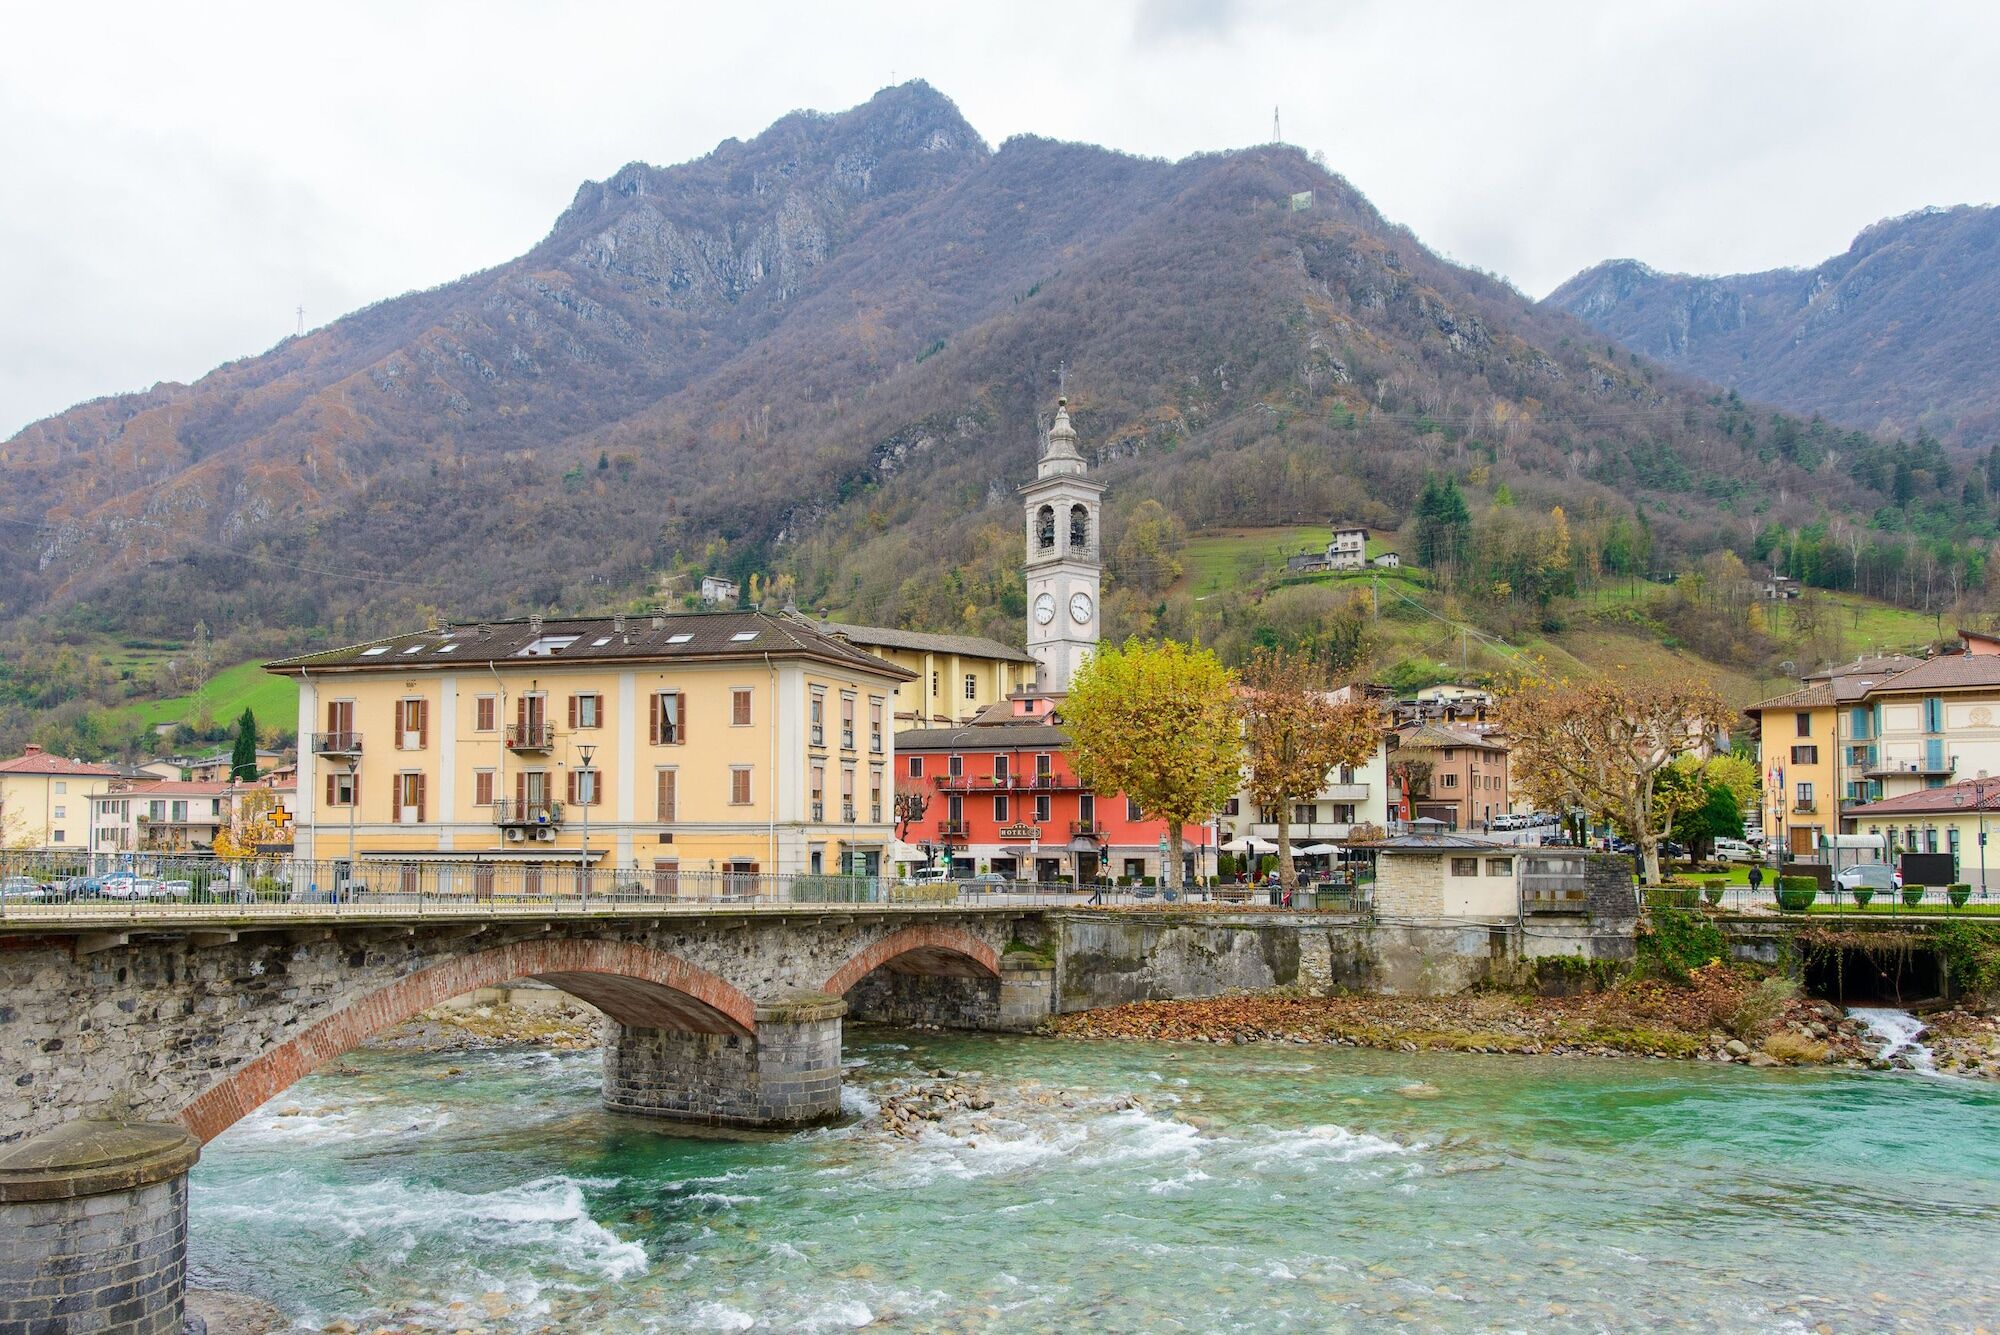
(1736, 1047)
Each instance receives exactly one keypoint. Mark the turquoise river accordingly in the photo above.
(1122, 1187)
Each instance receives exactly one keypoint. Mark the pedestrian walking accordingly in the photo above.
(1756, 878)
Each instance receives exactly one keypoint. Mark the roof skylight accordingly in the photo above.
(378, 649)
(742, 636)
(682, 638)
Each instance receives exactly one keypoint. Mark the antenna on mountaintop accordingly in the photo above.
(302, 322)
(1276, 136)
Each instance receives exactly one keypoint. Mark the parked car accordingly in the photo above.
(1735, 850)
(928, 876)
(176, 889)
(1869, 876)
(22, 887)
(988, 881)
(130, 887)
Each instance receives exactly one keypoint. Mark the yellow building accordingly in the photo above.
(716, 741)
(1798, 752)
(1954, 819)
(45, 799)
(952, 677)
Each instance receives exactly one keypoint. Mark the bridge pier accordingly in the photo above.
(785, 1074)
(93, 1230)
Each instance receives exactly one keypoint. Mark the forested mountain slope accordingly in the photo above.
(822, 356)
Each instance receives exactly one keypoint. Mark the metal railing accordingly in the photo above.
(336, 743)
(78, 889)
(507, 811)
(530, 736)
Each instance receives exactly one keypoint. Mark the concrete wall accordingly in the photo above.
(788, 1075)
(888, 997)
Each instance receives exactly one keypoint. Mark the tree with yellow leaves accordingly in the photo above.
(1158, 723)
(1605, 744)
(1295, 733)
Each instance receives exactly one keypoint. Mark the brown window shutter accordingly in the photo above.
(521, 716)
(329, 790)
(572, 713)
(681, 711)
(332, 716)
(653, 732)
(669, 797)
(396, 799)
(572, 787)
(424, 724)
(520, 797)
(422, 784)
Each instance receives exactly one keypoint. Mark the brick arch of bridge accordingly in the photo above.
(633, 984)
(933, 949)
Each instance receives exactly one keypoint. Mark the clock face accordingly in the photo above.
(1045, 608)
(1079, 608)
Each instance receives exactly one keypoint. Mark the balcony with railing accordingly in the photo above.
(1805, 806)
(1924, 766)
(957, 828)
(972, 783)
(507, 811)
(818, 734)
(818, 811)
(336, 743)
(523, 738)
(1088, 829)
(847, 812)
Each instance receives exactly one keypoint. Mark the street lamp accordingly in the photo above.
(353, 806)
(586, 792)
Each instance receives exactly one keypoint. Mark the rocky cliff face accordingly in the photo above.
(1895, 335)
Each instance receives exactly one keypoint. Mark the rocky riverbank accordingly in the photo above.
(558, 1022)
(1718, 1015)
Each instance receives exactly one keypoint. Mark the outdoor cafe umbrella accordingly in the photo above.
(1315, 850)
(1248, 844)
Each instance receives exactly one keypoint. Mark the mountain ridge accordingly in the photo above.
(822, 355)
(1834, 337)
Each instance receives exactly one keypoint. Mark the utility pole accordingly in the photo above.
(1276, 136)
(1375, 588)
(302, 322)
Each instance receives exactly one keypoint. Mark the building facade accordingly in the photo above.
(1353, 797)
(1465, 781)
(158, 816)
(1000, 796)
(45, 799)
(711, 741)
(1064, 565)
(1954, 819)
(953, 678)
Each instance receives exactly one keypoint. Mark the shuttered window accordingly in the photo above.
(482, 788)
(667, 796)
(739, 785)
(586, 711)
(739, 706)
(485, 710)
(668, 725)
(586, 788)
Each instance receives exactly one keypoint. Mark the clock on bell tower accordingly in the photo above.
(1064, 562)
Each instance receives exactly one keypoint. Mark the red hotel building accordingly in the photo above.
(1002, 797)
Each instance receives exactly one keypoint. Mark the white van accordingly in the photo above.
(1736, 850)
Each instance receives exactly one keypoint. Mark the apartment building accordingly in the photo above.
(1466, 785)
(688, 741)
(149, 815)
(953, 678)
(1000, 795)
(45, 799)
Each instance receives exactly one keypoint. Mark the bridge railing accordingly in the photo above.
(45, 885)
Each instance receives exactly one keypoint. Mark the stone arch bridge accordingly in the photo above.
(129, 1048)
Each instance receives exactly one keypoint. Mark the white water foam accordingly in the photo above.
(544, 1219)
(1898, 1031)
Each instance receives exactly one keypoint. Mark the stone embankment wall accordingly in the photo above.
(1111, 959)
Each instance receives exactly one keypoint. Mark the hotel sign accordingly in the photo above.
(1029, 832)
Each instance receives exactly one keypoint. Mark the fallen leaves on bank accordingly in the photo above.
(1718, 1015)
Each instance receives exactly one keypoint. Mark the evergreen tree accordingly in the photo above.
(1442, 523)
(243, 760)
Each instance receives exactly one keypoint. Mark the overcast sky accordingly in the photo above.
(180, 178)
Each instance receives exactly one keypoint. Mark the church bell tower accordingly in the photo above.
(1064, 557)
